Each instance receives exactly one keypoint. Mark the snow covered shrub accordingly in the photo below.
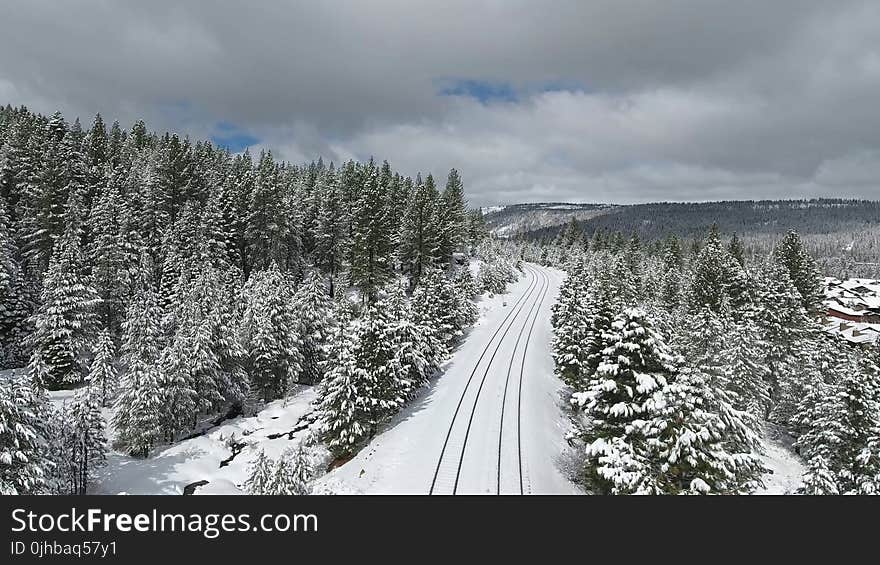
(494, 276)
(260, 475)
(78, 443)
(652, 429)
(291, 474)
(436, 305)
(24, 460)
(466, 290)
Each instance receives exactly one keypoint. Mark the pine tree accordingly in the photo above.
(377, 362)
(791, 255)
(634, 368)
(735, 248)
(716, 277)
(63, 447)
(419, 239)
(314, 310)
(343, 408)
(200, 371)
(371, 265)
(180, 400)
(103, 376)
(747, 377)
(570, 326)
(97, 157)
(45, 196)
(90, 440)
(465, 289)
(139, 405)
(654, 429)
(842, 441)
(64, 323)
(264, 230)
(234, 382)
(8, 266)
(599, 307)
(435, 305)
(476, 228)
(260, 475)
(786, 329)
(418, 352)
(268, 335)
(105, 251)
(330, 232)
(671, 279)
(633, 259)
(14, 303)
(24, 460)
(451, 218)
(696, 442)
(293, 472)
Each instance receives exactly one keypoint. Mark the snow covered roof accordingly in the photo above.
(853, 332)
(844, 309)
(853, 297)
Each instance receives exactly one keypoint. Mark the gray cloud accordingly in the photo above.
(675, 100)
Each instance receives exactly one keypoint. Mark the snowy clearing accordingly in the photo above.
(171, 469)
(787, 468)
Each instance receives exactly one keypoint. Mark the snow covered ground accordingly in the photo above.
(207, 457)
(490, 423)
(787, 468)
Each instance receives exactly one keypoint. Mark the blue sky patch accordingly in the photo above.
(484, 91)
(487, 92)
(232, 137)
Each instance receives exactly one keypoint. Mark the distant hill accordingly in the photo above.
(517, 219)
(650, 221)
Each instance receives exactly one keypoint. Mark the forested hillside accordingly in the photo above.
(679, 362)
(516, 219)
(685, 219)
(842, 235)
(171, 281)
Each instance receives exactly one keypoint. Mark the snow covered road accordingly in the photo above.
(491, 423)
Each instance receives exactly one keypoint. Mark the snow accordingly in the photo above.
(170, 469)
(852, 299)
(403, 459)
(787, 469)
(492, 209)
(503, 231)
(474, 265)
(505, 431)
(10, 373)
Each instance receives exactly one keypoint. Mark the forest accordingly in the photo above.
(842, 235)
(172, 283)
(678, 360)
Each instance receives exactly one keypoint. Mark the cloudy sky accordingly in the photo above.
(583, 100)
